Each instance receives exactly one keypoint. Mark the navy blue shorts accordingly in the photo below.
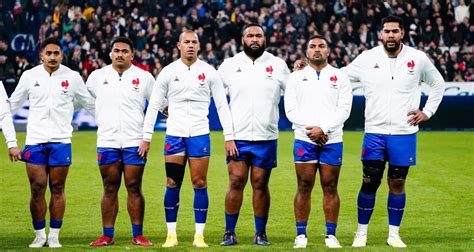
(330, 154)
(128, 156)
(262, 154)
(197, 146)
(396, 149)
(50, 154)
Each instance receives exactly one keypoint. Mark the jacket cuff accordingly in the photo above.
(147, 137)
(428, 113)
(228, 137)
(325, 129)
(12, 144)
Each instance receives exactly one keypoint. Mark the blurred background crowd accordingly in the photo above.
(442, 28)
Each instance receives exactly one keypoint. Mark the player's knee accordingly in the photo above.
(373, 173)
(111, 188)
(305, 186)
(199, 183)
(397, 172)
(57, 189)
(175, 174)
(38, 190)
(329, 187)
(260, 183)
(134, 188)
(237, 182)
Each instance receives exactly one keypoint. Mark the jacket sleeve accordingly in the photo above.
(291, 102)
(434, 79)
(283, 76)
(155, 103)
(82, 95)
(220, 100)
(20, 94)
(222, 71)
(343, 108)
(6, 121)
(354, 69)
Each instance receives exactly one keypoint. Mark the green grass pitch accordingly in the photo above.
(439, 213)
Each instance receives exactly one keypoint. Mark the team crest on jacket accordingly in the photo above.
(202, 79)
(411, 66)
(135, 83)
(65, 86)
(269, 70)
(333, 80)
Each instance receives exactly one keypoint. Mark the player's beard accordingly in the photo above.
(254, 53)
(392, 49)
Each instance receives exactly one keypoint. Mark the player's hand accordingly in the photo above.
(143, 149)
(165, 111)
(231, 149)
(416, 117)
(314, 132)
(14, 153)
(322, 140)
(299, 65)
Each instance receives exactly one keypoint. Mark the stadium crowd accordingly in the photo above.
(443, 29)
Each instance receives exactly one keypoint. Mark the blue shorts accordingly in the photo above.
(197, 146)
(330, 154)
(50, 154)
(262, 154)
(396, 149)
(128, 156)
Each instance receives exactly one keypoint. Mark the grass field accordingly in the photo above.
(439, 213)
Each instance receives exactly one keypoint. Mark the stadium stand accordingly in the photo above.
(444, 29)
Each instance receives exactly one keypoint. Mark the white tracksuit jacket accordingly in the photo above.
(323, 101)
(254, 88)
(120, 105)
(6, 122)
(51, 103)
(390, 97)
(188, 91)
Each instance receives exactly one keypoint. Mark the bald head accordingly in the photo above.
(188, 34)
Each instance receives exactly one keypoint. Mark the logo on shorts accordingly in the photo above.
(167, 146)
(99, 156)
(299, 152)
(269, 70)
(202, 79)
(27, 154)
(411, 160)
(363, 152)
(68, 159)
(135, 83)
(204, 150)
(411, 66)
(65, 85)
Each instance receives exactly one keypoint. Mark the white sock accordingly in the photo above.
(200, 228)
(393, 230)
(54, 232)
(362, 228)
(41, 233)
(171, 227)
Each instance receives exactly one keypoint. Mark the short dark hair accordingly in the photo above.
(123, 40)
(317, 36)
(252, 25)
(393, 19)
(50, 41)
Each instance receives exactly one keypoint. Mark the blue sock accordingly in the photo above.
(109, 232)
(201, 203)
(171, 202)
(260, 223)
(365, 207)
(231, 222)
(55, 223)
(37, 225)
(301, 228)
(137, 230)
(331, 228)
(395, 207)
